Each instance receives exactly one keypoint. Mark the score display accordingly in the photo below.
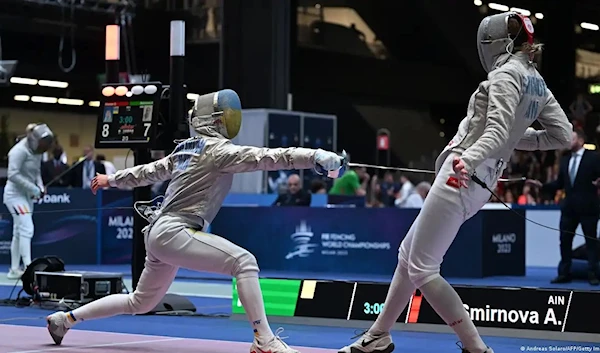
(128, 115)
(541, 309)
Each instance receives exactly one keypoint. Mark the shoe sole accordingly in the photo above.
(56, 338)
(388, 349)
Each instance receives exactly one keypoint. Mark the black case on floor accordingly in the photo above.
(77, 286)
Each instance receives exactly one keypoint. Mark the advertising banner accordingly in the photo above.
(350, 240)
(59, 229)
(503, 243)
(304, 239)
(116, 227)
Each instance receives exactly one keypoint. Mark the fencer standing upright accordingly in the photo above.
(497, 122)
(201, 172)
(23, 188)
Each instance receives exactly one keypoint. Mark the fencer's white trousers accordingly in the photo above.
(21, 208)
(171, 244)
(446, 208)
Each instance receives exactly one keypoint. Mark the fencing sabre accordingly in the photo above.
(423, 171)
(65, 172)
(480, 183)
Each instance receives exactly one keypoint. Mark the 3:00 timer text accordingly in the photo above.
(373, 308)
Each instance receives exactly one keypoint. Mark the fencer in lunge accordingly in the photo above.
(23, 187)
(498, 121)
(201, 172)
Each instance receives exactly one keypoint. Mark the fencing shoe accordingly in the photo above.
(370, 343)
(58, 325)
(273, 345)
(14, 274)
(464, 350)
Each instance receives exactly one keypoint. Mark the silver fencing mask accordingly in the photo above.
(495, 43)
(220, 110)
(40, 138)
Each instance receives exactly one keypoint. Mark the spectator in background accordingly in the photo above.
(389, 189)
(318, 186)
(108, 166)
(417, 196)
(405, 190)
(526, 198)
(579, 177)
(54, 167)
(353, 182)
(82, 175)
(294, 196)
(580, 108)
(509, 198)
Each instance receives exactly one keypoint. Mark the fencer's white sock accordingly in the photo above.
(251, 297)
(15, 253)
(112, 305)
(397, 298)
(25, 250)
(446, 302)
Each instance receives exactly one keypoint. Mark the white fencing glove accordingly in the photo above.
(330, 163)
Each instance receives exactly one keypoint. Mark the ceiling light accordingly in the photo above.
(539, 16)
(54, 84)
(49, 100)
(69, 101)
(23, 81)
(497, 7)
(477, 2)
(94, 104)
(22, 98)
(590, 26)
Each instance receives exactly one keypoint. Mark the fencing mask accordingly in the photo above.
(497, 35)
(39, 138)
(220, 110)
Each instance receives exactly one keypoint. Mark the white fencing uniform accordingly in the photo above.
(499, 114)
(201, 172)
(23, 187)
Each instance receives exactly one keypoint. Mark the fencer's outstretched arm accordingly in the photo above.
(16, 158)
(503, 98)
(142, 175)
(556, 133)
(230, 158)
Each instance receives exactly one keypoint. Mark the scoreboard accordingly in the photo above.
(128, 115)
(541, 309)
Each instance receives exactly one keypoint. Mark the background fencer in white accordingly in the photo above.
(498, 119)
(201, 172)
(24, 187)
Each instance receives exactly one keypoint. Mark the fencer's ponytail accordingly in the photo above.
(30, 127)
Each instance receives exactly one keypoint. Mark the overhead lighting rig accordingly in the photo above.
(98, 6)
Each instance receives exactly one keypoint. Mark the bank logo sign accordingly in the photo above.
(306, 243)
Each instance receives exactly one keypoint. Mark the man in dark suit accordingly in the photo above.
(54, 167)
(579, 177)
(295, 196)
(82, 175)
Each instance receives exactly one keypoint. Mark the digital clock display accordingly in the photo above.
(127, 121)
(372, 308)
(128, 116)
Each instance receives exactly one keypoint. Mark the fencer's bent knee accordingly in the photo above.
(421, 275)
(245, 265)
(141, 304)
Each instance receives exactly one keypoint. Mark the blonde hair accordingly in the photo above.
(30, 127)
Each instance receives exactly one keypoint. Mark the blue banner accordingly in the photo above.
(65, 226)
(348, 240)
(116, 226)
